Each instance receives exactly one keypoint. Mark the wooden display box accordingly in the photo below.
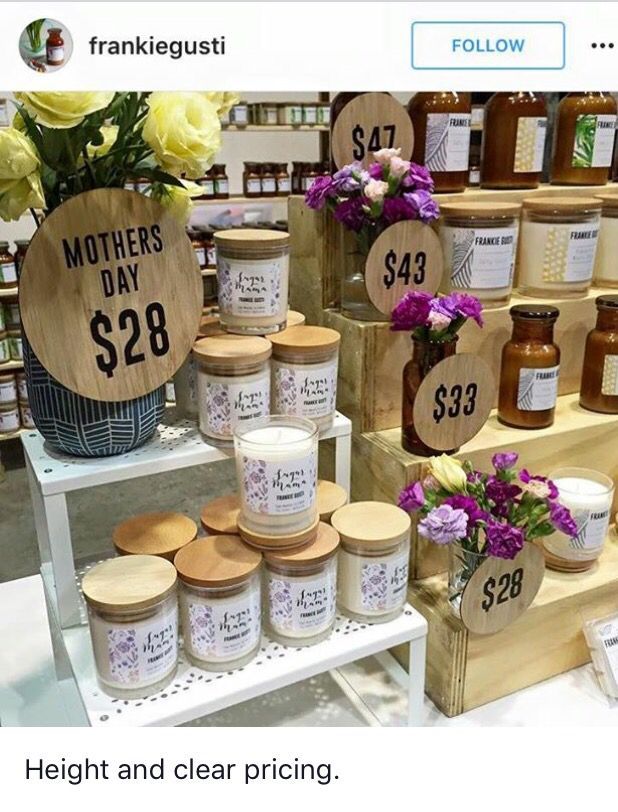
(465, 670)
(381, 468)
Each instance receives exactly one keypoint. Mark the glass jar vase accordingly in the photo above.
(463, 564)
(355, 302)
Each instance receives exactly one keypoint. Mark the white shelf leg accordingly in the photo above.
(416, 681)
(343, 457)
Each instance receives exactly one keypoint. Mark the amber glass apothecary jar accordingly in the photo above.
(584, 139)
(513, 141)
(530, 368)
(599, 385)
(425, 356)
(441, 124)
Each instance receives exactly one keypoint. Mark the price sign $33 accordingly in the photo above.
(403, 271)
(378, 138)
(128, 320)
(508, 587)
(458, 400)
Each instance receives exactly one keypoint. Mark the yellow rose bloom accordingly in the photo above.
(177, 199)
(222, 100)
(61, 110)
(449, 472)
(110, 134)
(184, 132)
(20, 181)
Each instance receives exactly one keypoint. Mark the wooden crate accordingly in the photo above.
(381, 468)
(465, 670)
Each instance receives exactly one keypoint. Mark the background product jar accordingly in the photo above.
(599, 385)
(304, 373)
(277, 464)
(16, 348)
(301, 590)
(373, 560)
(9, 418)
(133, 617)
(479, 242)
(606, 260)
(5, 350)
(557, 246)
(252, 277)
(161, 534)
(8, 271)
(8, 388)
(233, 383)
(220, 605)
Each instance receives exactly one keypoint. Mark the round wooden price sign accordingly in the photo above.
(407, 256)
(110, 294)
(454, 401)
(501, 590)
(367, 124)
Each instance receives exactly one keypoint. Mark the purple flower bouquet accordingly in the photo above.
(435, 318)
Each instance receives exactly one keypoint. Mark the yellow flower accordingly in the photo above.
(61, 110)
(177, 199)
(184, 132)
(20, 181)
(222, 100)
(449, 472)
(110, 134)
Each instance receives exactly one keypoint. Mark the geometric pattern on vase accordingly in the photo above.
(88, 428)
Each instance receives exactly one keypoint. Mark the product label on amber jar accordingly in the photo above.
(250, 287)
(226, 627)
(8, 274)
(610, 375)
(538, 389)
(142, 652)
(447, 143)
(384, 583)
(224, 406)
(280, 488)
(481, 258)
(304, 393)
(200, 254)
(592, 526)
(55, 54)
(302, 604)
(569, 253)
(593, 144)
(530, 144)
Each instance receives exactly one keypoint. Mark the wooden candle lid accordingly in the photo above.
(210, 326)
(371, 523)
(246, 239)
(320, 549)
(304, 339)
(262, 541)
(330, 498)
(561, 205)
(220, 517)
(129, 583)
(480, 209)
(608, 199)
(216, 561)
(295, 319)
(160, 534)
(228, 349)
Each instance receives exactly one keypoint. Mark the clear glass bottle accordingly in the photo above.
(530, 369)
(599, 385)
(584, 139)
(513, 145)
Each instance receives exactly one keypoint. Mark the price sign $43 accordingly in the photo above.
(377, 138)
(403, 270)
(506, 588)
(458, 400)
(129, 324)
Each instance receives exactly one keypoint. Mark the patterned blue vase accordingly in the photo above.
(84, 427)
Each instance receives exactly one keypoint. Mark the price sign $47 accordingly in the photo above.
(506, 588)
(404, 271)
(456, 401)
(377, 138)
(130, 326)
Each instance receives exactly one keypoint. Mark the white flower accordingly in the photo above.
(385, 156)
(399, 167)
(375, 190)
(438, 321)
(536, 488)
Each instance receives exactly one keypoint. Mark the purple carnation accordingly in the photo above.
(526, 477)
(396, 209)
(412, 497)
(418, 177)
(561, 519)
(467, 306)
(349, 179)
(411, 311)
(469, 505)
(443, 525)
(350, 213)
(423, 204)
(504, 460)
(504, 540)
(500, 493)
(376, 171)
(319, 192)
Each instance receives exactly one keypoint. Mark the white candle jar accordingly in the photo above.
(304, 373)
(133, 618)
(277, 465)
(233, 383)
(301, 590)
(220, 603)
(588, 495)
(373, 560)
(479, 243)
(605, 264)
(8, 390)
(252, 280)
(557, 246)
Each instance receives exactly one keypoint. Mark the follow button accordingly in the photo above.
(450, 45)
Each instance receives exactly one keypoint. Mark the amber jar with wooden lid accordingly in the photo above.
(599, 384)
(441, 124)
(584, 139)
(220, 602)
(301, 590)
(8, 270)
(133, 618)
(161, 534)
(530, 369)
(252, 279)
(373, 560)
(513, 141)
(304, 373)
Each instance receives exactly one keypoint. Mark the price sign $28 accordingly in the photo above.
(128, 320)
(403, 271)
(377, 138)
(508, 587)
(458, 400)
